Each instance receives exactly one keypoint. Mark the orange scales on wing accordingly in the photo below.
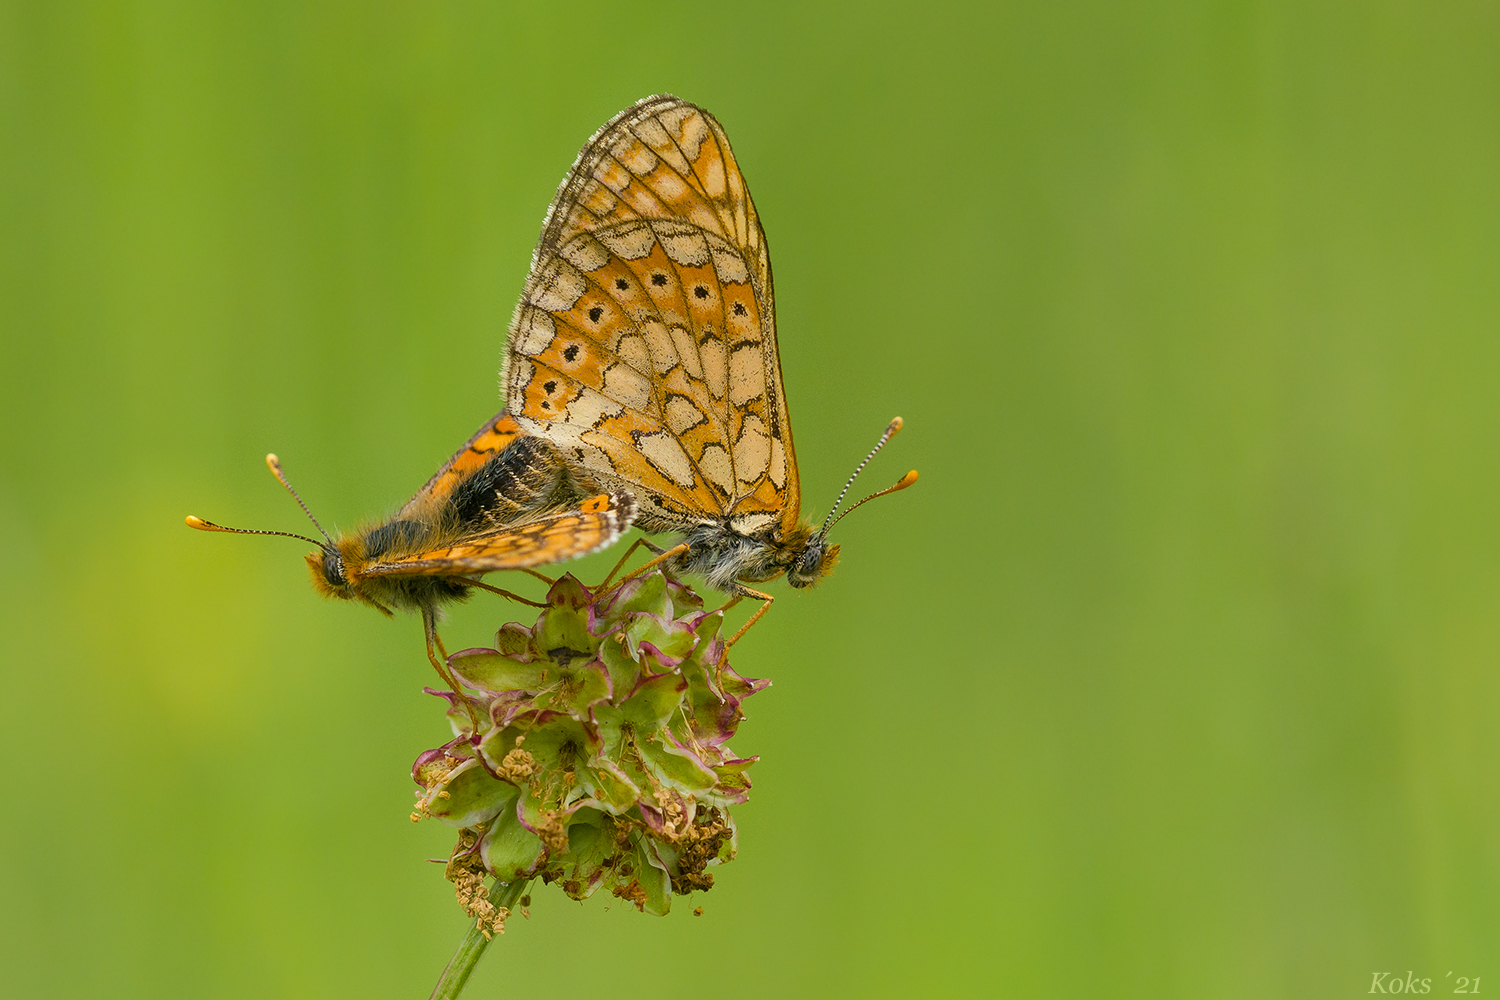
(644, 347)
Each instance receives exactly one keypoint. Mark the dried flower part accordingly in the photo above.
(603, 756)
(467, 874)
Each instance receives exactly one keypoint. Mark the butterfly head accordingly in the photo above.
(815, 561)
(328, 563)
(328, 575)
(335, 573)
(815, 557)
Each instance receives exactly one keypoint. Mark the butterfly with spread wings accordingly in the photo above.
(506, 500)
(644, 349)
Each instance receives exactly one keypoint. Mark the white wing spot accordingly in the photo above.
(663, 451)
(650, 131)
(662, 347)
(519, 377)
(688, 127)
(747, 376)
(590, 408)
(682, 414)
(715, 465)
(711, 351)
(777, 471)
(752, 451)
(749, 524)
(585, 253)
(635, 157)
(684, 245)
(728, 264)
(630, 242)
(631, 347)
(624, 384)
(687, 350)
(612, 174)
(558, 287)
(533, 333)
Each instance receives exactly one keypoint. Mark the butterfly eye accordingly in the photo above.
(808, 567)
(333, 569)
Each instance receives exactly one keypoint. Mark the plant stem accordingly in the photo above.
(451, 983)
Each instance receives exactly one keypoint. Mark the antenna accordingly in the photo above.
(275, 465)
(901, 484)
(202, 525)
(905, 481)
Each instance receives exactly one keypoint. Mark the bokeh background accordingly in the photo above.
(1178, 674)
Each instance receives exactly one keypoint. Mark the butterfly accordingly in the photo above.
(644, 349)
(505, 500)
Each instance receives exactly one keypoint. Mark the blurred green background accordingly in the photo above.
(1176, 675)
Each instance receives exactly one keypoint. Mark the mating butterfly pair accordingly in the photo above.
(642, 386)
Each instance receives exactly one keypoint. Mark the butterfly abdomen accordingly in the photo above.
(514, 485)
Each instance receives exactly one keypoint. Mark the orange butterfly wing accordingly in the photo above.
(596, 524)
(491, 439)
(644, 344)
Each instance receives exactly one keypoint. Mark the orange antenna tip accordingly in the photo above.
(202, 525)
(906, 480)
(274, 464)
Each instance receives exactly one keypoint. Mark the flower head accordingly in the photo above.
(603, 756)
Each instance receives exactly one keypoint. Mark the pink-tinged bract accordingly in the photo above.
(603, 758)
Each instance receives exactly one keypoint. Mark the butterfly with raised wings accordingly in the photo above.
(505, 500)
(644, 349)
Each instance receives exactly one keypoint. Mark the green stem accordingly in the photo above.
(451, 983)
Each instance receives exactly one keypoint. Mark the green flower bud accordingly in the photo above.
(603, 759)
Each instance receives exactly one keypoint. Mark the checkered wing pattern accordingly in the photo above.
(644, 345)
(596, 524)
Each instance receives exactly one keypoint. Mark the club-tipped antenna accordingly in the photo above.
(275, 464)
(202, 525)
(901, 484)
(905, 481)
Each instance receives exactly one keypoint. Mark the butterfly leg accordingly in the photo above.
(675, 550)
(744, 593)
(623, 560)
(429, 625)
(540, 576)
(504, 593)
